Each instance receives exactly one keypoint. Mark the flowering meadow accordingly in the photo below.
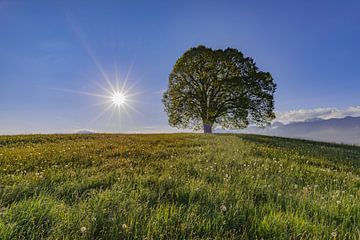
(177, 186)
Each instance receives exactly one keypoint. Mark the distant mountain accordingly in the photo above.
(84, 131)
(314, 120)
(276, 125)
(339, 130)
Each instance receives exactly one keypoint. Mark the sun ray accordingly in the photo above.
(102, 103)
(109, 92)
(112, 112)
(89, 51)
(134, 109)
(118, 95)
(80, 92)
(102, 113)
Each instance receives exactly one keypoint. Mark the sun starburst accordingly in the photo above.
(116, 95)
(118, 99)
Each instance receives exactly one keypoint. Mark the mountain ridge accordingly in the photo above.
(338, 130)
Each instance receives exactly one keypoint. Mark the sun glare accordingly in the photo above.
(118, 98)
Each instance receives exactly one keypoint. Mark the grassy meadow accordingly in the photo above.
(177, 186)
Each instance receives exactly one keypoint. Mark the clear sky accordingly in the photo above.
(51, 49)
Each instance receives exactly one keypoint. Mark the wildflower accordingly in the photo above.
(334, 233)
(223, 208)
(338, 201)
(306, 190)
(83, 229)
(124, 226)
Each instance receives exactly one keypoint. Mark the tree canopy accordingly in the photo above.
(218, 87)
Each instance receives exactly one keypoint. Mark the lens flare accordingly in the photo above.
(114, 92)
(118, 99)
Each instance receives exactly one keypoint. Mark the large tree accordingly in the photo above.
(218, 87)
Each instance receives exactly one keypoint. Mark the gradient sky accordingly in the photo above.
(49, 49)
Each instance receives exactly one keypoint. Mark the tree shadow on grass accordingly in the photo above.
(348, 155)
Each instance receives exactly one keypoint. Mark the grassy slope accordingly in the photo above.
(177, 186)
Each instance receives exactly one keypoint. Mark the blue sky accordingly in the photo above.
(48, 48)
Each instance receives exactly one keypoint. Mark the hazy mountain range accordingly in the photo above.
(339, 130)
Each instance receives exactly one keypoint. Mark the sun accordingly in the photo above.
(118, 99)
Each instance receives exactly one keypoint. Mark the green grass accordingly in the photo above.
(177, 186)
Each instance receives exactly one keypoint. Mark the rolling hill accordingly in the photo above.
(177, 186)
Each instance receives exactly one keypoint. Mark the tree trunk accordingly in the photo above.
(207, 128)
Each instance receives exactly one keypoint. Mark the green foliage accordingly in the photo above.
(218, 87)
(177, 186)
(30, 219)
